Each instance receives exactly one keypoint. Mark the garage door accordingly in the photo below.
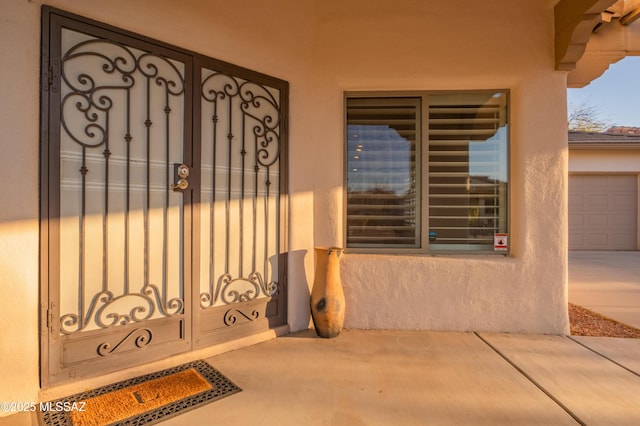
(603, 212)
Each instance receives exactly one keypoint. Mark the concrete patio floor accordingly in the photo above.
(428, 378)
(436, 378)
(377, 377)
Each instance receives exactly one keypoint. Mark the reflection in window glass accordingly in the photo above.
(381, 172)
(467, 169)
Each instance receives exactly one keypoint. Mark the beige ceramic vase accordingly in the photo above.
(327, 296)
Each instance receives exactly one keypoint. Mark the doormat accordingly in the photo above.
(143, 400)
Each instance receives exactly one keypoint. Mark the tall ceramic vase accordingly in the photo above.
(327, 296)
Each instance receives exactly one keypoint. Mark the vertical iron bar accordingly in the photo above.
(214, 119)
(81, 239)
(105, 220)
(243, 153)
(127, 139)
(228, 201)
(147, 209)
(256, 170)
(165, 224)
(266, 222)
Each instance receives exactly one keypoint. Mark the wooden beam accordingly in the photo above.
(574, 23)
(630, 17)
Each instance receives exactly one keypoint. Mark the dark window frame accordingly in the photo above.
(427, 238)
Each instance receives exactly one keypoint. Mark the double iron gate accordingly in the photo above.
(163, 191)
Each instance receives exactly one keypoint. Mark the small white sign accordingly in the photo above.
(500, 242)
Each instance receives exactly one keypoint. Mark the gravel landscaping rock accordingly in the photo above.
(584, 322)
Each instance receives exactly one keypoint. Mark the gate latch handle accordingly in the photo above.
(180, 174)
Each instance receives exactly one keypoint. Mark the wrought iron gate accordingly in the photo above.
(163, 185)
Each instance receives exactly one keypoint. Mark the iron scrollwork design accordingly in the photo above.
(231, 290)
(233, 316)
(260, 132)
(257, 102)
(140, 338)
(99, 74)
(92, 99)
(149, 300)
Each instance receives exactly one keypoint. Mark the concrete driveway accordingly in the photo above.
(607, 282)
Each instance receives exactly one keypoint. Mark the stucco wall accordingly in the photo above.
(19, 57)
(604, 161)
(324, 48)
(452, 45)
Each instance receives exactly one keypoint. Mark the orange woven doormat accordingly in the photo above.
(143, 400)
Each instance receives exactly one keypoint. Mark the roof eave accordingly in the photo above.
(604, 146)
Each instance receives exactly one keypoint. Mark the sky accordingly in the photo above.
(615, 94)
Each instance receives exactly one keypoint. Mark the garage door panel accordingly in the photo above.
(597, 183)
(598, 240)
(622, 221)
(597, 202)
(603, 212)
(597, 220)
(623, 201)
(576, 200)
(577, 239)
(623, 240)
(576, 182)
(577, 220)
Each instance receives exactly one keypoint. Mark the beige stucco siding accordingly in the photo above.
(324, 48)
(604, 161)
(19, 112)
(415, 47)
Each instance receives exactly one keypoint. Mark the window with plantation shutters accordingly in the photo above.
(427, 171)
(467, 170)
(382, 141)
